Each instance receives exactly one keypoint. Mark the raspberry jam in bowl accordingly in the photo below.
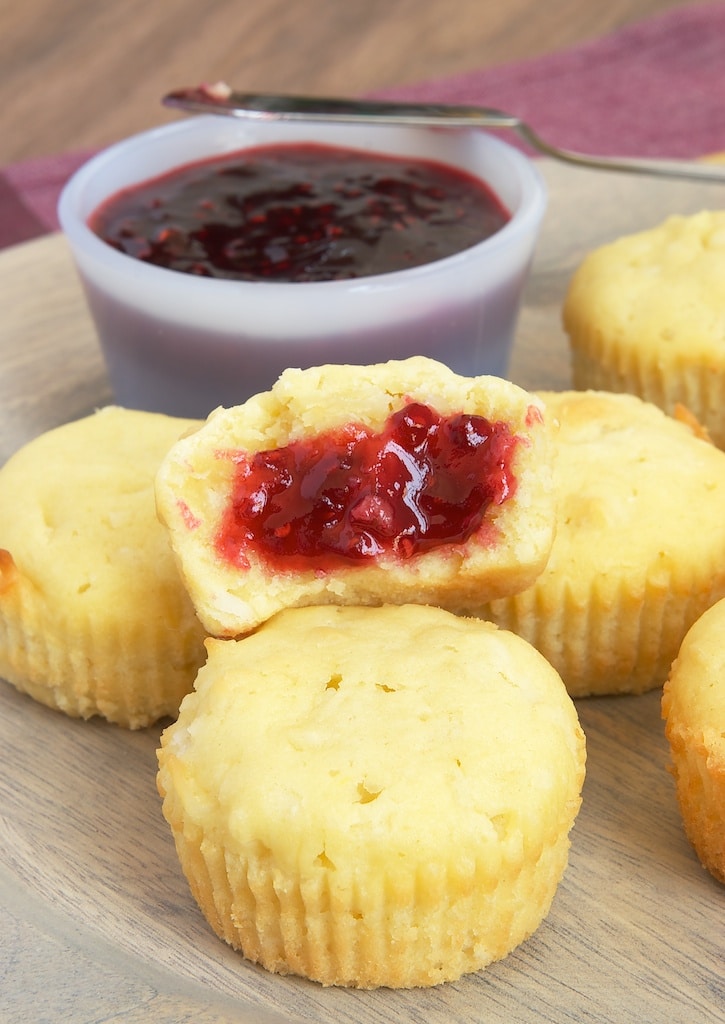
(215, 254)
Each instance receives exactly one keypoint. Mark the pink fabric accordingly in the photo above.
(29, 193)
(656, 88)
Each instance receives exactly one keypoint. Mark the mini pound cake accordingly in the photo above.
(373, 796)
(639, 552)
(94, 619)
(369, 485)
(646, 314)
(693, 706)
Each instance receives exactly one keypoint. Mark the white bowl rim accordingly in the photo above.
(84, 240)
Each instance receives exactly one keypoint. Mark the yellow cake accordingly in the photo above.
(94, 619)
(236, 583)
(639, 552)
(646, 314)
(373, 796)
(693, 705)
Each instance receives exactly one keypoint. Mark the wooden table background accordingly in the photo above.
(97, 922)
(83, 73)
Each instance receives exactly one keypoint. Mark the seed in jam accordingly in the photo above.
(349, 496)
(300, 212)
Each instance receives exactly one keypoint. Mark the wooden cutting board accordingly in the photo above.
(96, 920)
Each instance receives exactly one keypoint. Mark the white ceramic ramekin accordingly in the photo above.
(183, 344)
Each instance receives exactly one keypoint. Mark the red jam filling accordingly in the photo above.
(300, 213)
(349, 496)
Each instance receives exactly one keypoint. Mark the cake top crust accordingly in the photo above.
(416, 733)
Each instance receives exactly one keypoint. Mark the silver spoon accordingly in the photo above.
(220, 99)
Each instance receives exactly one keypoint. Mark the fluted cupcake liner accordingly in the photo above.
(361, 930)
(130, 670)
(700, 387)
(604, 640)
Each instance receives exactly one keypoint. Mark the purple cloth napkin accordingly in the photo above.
(656, 88)
(29, 193)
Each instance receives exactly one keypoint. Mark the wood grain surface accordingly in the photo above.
(79, 73)
(96, 921)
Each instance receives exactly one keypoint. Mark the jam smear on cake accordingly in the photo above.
(352, 495)
(300, 212)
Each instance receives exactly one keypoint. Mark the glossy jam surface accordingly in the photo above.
(300, 212)
(424, 481)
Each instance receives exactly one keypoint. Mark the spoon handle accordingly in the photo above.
(696, 170)
(220, 99)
